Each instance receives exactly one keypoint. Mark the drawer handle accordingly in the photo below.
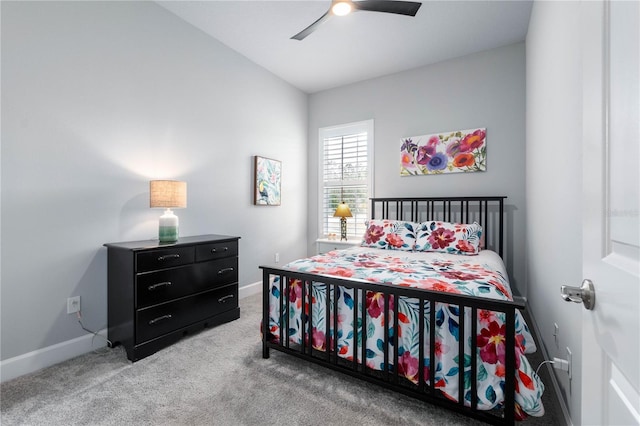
(214, 250)
(162, 318)
(168, 256)
(225, 270)
(154, 286)
(224, 299)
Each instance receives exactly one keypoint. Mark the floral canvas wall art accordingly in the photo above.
(268, 175)
(451, 152)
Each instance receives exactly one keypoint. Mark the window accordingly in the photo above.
(346, 170)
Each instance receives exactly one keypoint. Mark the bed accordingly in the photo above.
(367, 311)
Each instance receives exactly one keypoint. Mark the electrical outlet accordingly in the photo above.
(73, 304)
(276, 257)
(560, 364)
(569, 362)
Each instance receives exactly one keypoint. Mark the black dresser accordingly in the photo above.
(158, 293)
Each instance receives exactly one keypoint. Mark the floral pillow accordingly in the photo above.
(448, 237)
(390, 234)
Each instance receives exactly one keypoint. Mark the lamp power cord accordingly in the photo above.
(94, 333)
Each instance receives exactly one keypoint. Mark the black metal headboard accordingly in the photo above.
(487, 211)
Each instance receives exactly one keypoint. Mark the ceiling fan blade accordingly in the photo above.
(409, 8)
(311, 28)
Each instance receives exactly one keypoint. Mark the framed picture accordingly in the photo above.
(461, 151)
(267, 181)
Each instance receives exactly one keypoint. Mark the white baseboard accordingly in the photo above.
(250, 290)
(45, 357)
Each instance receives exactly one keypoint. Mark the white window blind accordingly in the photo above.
(346, 176)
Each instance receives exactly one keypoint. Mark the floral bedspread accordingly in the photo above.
(481, 275)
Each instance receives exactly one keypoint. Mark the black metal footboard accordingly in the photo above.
(389, 376)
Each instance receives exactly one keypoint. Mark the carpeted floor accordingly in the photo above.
(216, 377)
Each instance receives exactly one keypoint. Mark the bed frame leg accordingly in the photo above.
(265, 312)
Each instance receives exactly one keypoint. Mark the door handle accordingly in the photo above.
(585, 294)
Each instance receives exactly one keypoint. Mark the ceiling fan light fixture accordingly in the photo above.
(341, 8)
(344, 7)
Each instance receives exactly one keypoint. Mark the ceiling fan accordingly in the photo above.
(344, 7)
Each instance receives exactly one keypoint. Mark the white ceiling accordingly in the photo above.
(359, 46)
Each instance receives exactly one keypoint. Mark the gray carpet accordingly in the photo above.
(215, 377)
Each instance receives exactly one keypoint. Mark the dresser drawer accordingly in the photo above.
(217, 273)
(216, 250)
(161, 319)
(165, 258)
(161, 286)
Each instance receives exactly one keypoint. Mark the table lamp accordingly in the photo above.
(168, 194)
(343, 213)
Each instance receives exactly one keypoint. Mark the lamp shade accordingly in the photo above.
(342, 211)
(167, 194)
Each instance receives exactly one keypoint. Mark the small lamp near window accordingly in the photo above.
(343, 213)
(169, 194)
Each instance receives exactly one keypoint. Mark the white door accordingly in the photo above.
(611, 233)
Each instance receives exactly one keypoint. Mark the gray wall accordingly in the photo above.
(481, 90)
(97, 99)
(554, 182)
